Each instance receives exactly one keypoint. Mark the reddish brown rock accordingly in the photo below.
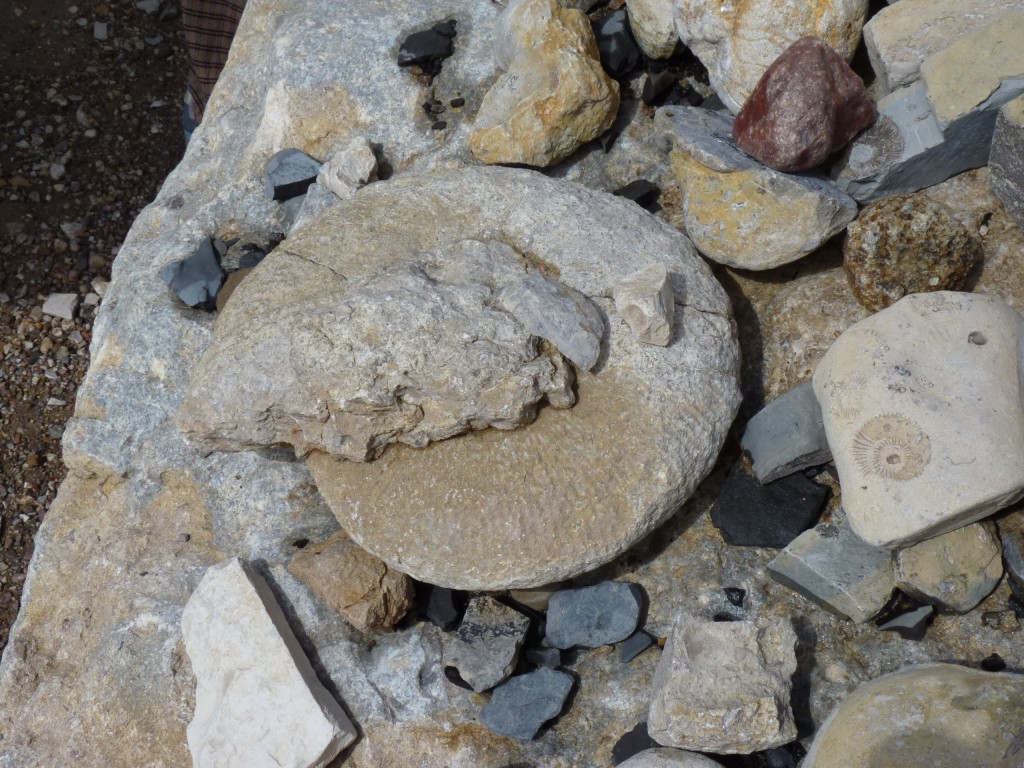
(807, 105)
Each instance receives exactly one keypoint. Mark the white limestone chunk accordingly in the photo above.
(645, 301)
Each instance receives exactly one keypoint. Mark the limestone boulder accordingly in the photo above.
(738, 41)
(724, 686)
(939, 715)
(653, 26)
(258, 701)
(922, 412)
(738, 211)
(553, 95)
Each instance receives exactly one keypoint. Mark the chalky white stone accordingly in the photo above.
(724, 686)
(922, 411)
(258, 701)
(348, 169)
(646, 303)
(62, 305)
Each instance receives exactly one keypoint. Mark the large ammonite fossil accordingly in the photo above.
(892, 446)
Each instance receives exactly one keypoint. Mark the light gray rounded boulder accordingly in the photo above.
(552, 491)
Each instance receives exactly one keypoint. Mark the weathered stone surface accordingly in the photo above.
(232, 282)
(941, 125)
(517, 532)
(956, 570)
(664, 757)
(738, 41)
(830, 565)
(354, 583)
(486, 645)
(799, 325)
(922, 411)
(653, 27)
(1006, 159)
(258, 701)
(907, 244)
(787, 435)
(593, 616)
(350, 168)
(645, 302)
(738, 211)
(552, 97)
(807, 105)
(750, 514)
(934, 714)
(899, 38)
(520, 706)
(724, 686)
(384, 359)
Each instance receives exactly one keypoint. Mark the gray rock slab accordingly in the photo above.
(956, 570)
(930, 714)
(830, 565)
(485, 647)
(738, 211)
(1006, 159)
(724, 686)
(258, 700)
(591, 616)
(787, 435)
(289, 173)
(521, 705)
(62, 305)
(196, 279)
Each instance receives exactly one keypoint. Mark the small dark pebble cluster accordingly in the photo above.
(428, 48)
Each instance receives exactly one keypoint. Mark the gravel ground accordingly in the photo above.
(90, 128)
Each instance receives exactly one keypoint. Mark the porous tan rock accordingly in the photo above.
(907, 244)
(724, 686)
(354, 583)
(553, 97)
(922, 412)
(956, 570)
(738, 41)
(939, 715)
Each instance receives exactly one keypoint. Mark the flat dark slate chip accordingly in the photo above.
(428, 48)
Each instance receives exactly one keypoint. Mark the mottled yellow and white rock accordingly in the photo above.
(653, 27)
(738, 40)
(554, 95)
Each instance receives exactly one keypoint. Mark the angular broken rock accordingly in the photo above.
(289, 173)
(1006, 160)
(907, 244)
(738, 211)
(807, 105)
(932, 714)
(485, 647)
(593, 616)
(512, 528)
(521, 705)
(787, 435)
(724, 686)
(922, 411)
(831, 566)
(350, 168)
(354, 583)
(62, 305)
(737, 42)
(956, 570)
(197, 279)
(553, 97)
(258, 701)
(645, 302)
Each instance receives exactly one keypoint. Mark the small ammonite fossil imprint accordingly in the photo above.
(892, 446)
